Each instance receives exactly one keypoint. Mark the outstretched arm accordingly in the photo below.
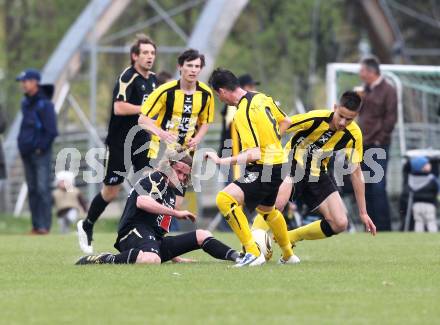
(244, 157)
(148, 204)
(357, 179)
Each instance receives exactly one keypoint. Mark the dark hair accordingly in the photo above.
(222, 78)
(372, 63)
(351, 101)
(191, 55)
(163, 77)
(136, 46)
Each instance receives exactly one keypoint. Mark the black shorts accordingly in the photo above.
(165, 247)
(313, 191)
(115, 169)
(260, 185)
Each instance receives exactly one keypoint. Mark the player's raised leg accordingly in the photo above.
(335, 221)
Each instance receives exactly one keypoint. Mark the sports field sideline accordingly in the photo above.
(351, 279)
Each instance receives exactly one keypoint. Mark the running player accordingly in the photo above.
(183, 109)
(317, 135)
(259, 123)
(131, 90)
(147, 217)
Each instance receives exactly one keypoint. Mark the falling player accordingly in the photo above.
(317, 135)
(147, 216)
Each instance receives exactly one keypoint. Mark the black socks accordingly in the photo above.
(126, 257)
(97, 206)
(218, 250)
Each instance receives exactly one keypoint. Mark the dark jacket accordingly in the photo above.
(424, 186)
(378, 114)
(2, 156)
(39, 127)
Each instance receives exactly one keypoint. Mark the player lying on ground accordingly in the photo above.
(259, 123)
(147, 217)
(318, 134)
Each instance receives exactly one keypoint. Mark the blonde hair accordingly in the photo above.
(171, 156)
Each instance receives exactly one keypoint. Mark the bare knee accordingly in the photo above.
(339, 224)
(110, 192)
(280, 203)
(148, 258)
(202, 235)
(333, 210)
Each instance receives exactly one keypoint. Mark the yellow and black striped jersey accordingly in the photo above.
(257, 123)
(177, 112)
(314, 142)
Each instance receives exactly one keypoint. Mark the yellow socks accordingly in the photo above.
(316, 230)
(237, 220)
(260, 223)
(277, 224)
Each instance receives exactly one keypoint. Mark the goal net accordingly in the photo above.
(418, 90)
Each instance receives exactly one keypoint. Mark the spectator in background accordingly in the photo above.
(163, 77)
(2, 155)
(37, 132)
(376, 120)
(68, 200)
(424, 186)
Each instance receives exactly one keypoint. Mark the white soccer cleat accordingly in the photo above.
(292, 260)
(260, 260)
(251, 260)
(83, 239)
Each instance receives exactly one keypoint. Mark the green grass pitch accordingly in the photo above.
(349, 279)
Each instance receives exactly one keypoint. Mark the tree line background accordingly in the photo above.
(284, 44)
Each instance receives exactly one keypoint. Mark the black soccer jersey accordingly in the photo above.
(132, 88)
(155, 184)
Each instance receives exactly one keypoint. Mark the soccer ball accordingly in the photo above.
(264, 242)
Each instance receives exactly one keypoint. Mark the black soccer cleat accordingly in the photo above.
(104, 258)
